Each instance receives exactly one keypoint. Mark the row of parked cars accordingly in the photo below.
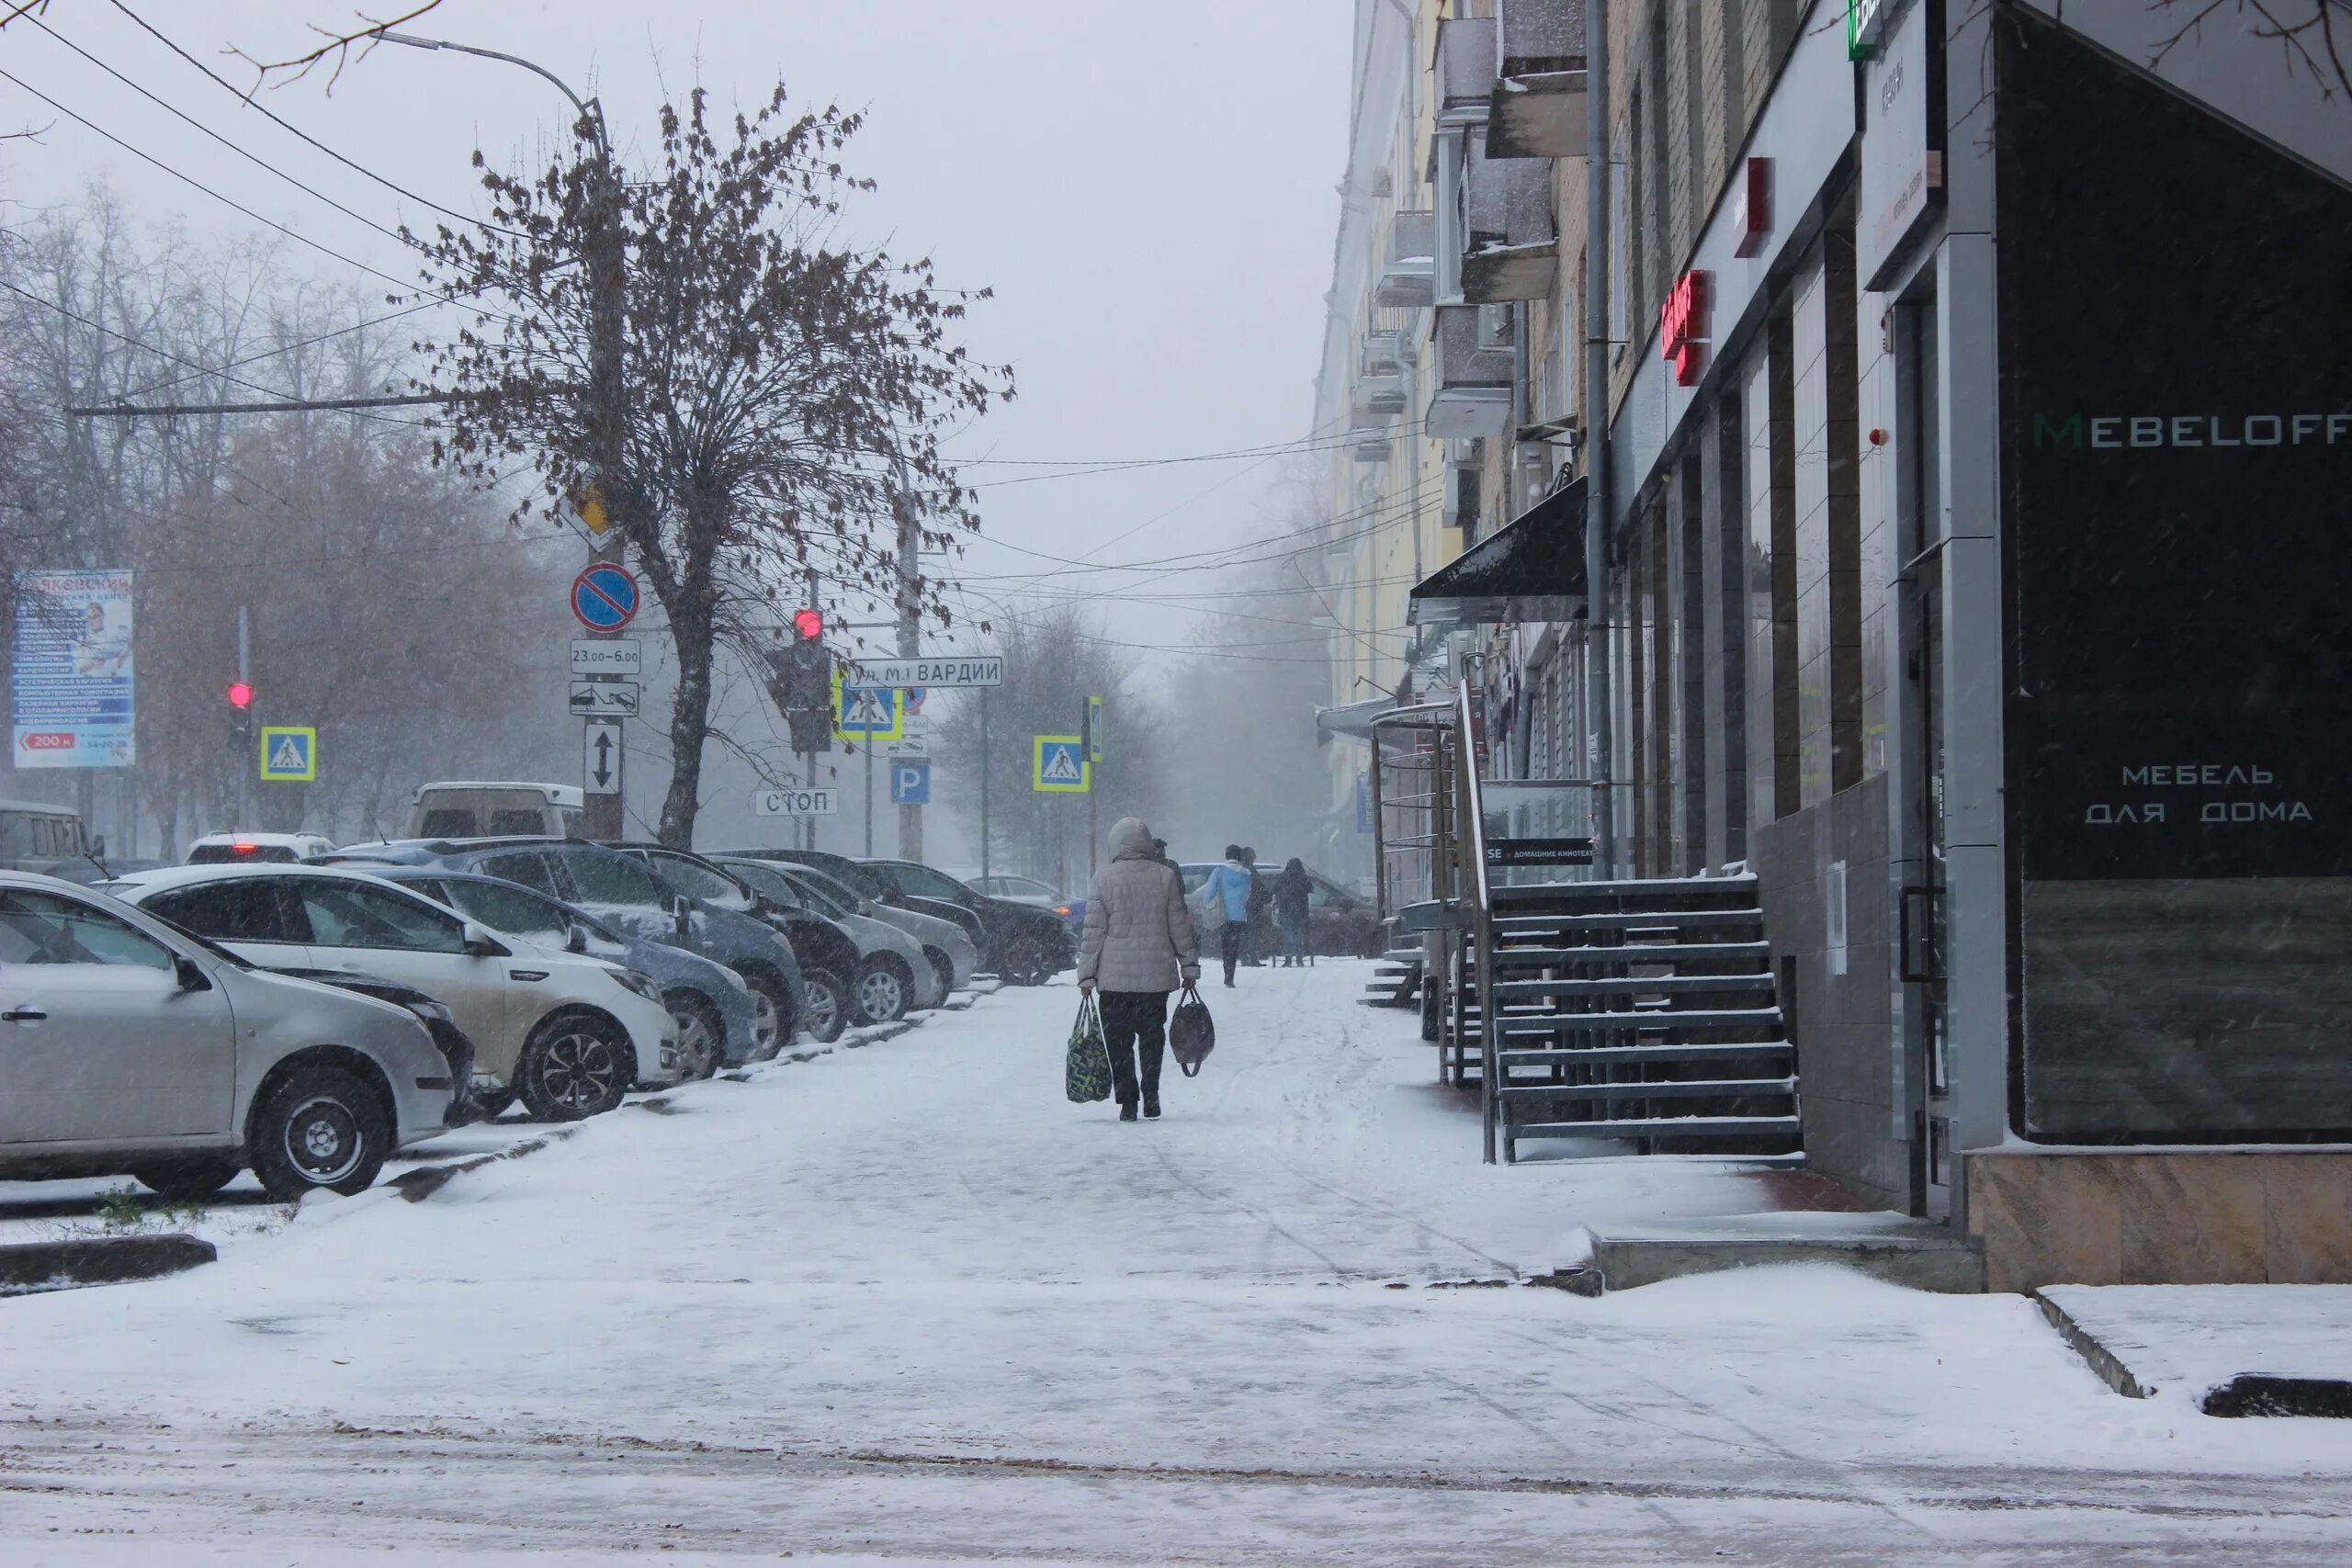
(304, 1010)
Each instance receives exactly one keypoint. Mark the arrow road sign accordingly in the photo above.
(911, 783)
(605, 596)
(604, 699)
(1060, 765)
(601, 755)
(945, 672)
(792, 803)
(625, 656)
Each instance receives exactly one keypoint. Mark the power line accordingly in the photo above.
(244, 98)
(190, 179)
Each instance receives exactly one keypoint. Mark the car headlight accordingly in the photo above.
(645, 985)
(430, 1011)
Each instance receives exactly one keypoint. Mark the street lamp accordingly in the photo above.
(604, 252)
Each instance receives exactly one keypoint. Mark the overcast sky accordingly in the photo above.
(1149, 189)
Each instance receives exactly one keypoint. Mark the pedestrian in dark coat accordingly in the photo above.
(1137, 945)
(1292, 892)
(1261, 938)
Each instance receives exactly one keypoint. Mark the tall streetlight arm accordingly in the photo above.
(590, 110)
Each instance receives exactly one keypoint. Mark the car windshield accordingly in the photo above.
(831, 900)
(768, 882)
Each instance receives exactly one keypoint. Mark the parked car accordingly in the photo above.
(719, 1023)
(882, 889)
(1030, 891)
(893, 975)
(471, 809)
(567, 1033)
(127, 1047)
(624, 892)
(829, 959)
(1339, 923)
(1025, 946)
(38, 837)
(948, 946)
(246, 849)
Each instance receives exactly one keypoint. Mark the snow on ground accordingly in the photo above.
(2183, 1341)
(905, 1303)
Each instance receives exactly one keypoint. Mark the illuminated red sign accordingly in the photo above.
(51, 740)
(1683, 327)
(1751, 212)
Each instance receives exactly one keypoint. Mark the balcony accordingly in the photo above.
(1384, 353)
(1370, 445)
(1512, 248)
(1378, 399)
(1473, 397)
(1538, 107)
(1409, 276)
(1465, 70)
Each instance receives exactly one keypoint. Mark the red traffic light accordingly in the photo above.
(240, 694)
(808, 625)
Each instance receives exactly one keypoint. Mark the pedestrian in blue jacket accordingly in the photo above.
(1227, 892)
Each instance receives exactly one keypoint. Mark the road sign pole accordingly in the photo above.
(986, 758)
(910, 608)
(869, 795)
(1094, 817)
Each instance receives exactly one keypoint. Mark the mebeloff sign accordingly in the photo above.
(2117, 432)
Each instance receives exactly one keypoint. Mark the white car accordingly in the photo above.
(125, 1046)
(247, 848)
(568, 1033)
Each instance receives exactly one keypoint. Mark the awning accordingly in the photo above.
(1530, 570)
(1354, 721)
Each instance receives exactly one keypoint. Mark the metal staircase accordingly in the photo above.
(1643, 1012)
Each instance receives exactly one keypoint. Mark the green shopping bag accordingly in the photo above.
(1086, 1074)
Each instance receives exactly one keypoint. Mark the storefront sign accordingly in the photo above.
(1903, 139)
(1865, 23)
(1751, 207)
(1683, 326)
(70, 678)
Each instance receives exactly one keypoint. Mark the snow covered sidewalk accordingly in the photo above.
(905, 1302)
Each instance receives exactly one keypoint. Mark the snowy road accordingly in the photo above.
(905, 1304)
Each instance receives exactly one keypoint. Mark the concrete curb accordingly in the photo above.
(28, 1267)
(416, 1186)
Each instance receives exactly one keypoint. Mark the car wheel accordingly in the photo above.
(189, 1180)
(944, 967)
(702, 1033)
(828, 1005)
(1023, 966)
(324, 1127)
(772, 1019)
(881, 995)
(577, 1065)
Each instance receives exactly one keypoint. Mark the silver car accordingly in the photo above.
(894, 974)
(127, 1046)
(945, 943)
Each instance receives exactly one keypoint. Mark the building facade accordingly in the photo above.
(1967, 483)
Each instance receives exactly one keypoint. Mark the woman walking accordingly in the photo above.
(1228, 891)
(1291, 891)
(1137, 944)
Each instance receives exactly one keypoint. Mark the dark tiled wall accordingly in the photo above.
(1842, 1024)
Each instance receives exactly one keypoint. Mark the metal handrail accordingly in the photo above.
(1470, 814)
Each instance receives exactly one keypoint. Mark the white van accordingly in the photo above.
(38, 836)
(475, 809)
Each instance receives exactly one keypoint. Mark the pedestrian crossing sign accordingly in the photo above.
(290, 754)
(868, 713)
(1061, 765)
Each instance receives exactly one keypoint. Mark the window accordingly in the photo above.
(1318, 896)
(41, 928)
(513, 821)
(351, 914)
(698, 881)
(827, 900)
(1195, 876)
(770, 883)
(607, 878)
(248, 909)
(509, 909)
(925, 883)
(530, 870)
(450, 823)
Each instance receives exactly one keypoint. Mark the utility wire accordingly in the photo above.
(252, 103)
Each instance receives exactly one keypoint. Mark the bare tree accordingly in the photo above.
(774, 379)
(2313, 34)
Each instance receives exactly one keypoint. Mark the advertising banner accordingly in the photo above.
(70, 675)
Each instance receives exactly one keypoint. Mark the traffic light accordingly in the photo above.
(801, 683)
(241, 713)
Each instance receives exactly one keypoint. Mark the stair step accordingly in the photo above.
(1631, 952)
(1663, 885)
(1663, 1127)
(1610, 1055)
(1511, 925)
(1621, 984)
(1689, 1089)
(1713, 1018)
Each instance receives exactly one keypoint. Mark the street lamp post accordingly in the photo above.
(603, 254)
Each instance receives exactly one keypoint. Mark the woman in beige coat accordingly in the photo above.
(1137, 947)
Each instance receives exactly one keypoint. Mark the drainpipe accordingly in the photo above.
(1599, 516)
(1412, 432)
